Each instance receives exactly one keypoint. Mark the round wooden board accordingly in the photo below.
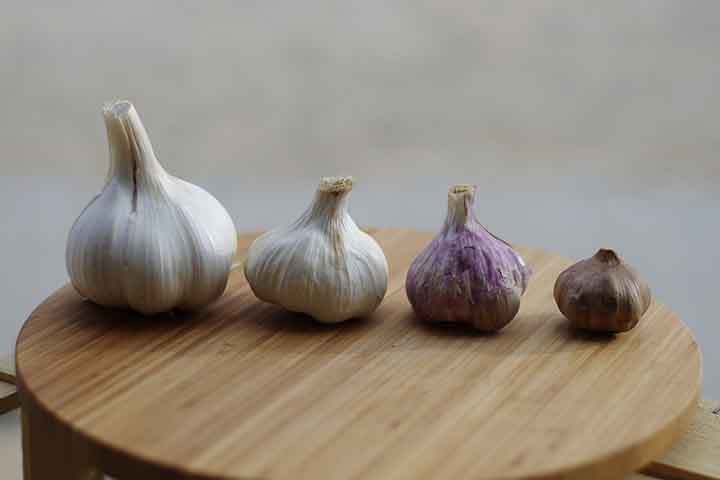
(244, 389)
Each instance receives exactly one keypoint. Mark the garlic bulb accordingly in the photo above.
(148, 241)
(602, 293)
(322, 264)
(467, 274)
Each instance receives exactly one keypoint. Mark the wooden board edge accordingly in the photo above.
(696, 456)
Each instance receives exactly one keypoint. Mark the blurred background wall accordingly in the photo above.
(584, 124)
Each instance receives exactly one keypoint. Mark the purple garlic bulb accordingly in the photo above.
(467, 274)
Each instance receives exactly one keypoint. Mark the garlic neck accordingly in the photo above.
(132, 159)
(330, 206)
(460, 203)
(607, 257)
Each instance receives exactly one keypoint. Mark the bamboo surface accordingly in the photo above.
(244, 389)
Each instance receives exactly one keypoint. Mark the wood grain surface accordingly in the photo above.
(246, 390)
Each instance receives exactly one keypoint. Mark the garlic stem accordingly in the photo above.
(460, 202)
(132, 159)
(607, 256)
(329, 207)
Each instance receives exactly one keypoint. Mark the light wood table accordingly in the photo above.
(246, 390)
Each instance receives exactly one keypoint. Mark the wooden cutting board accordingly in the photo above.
(247, 390)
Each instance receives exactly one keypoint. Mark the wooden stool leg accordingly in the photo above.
(51, 451)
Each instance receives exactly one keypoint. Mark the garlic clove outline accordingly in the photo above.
(148, 241)
(602, 293)
(467, 274)
(322, 264)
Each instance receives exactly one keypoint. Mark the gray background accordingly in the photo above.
(584, 124)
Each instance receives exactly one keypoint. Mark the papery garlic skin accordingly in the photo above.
(466, 274)
(322, 264)
(149, 241)
(602, 293)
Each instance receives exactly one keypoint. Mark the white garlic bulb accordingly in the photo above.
(322, 264)
(149, 241)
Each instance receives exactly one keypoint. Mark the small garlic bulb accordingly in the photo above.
(467, 274)
(149, 241)
(602, 293)
(322, 264)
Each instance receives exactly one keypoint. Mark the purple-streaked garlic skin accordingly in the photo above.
(602, 293)
(466, 274)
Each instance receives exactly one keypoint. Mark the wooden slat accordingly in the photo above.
(7, 368)
(8, 397)
(697, 455)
